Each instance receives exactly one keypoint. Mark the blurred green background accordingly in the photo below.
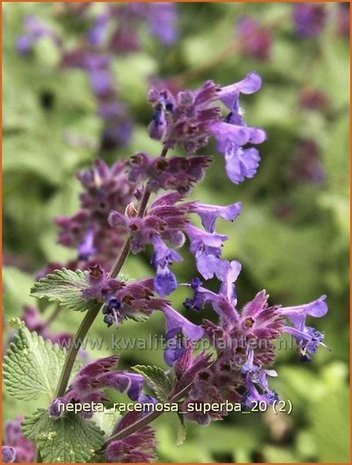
(292, 236)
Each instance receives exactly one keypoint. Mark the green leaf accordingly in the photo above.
(16, 288)
(107, 420)
(70, 439)
(32, 366)
(181, 430)
(65, 286)
(329, 415)
(155, 376)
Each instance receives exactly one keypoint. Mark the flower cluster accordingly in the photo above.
(137, 447)
(89, 384)
(106, 188)
(190, 118)
(113, 30)
(245, 343)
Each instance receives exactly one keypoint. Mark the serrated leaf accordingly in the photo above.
(32, 366)
(65, 286)
(69, 439)
(155, 376)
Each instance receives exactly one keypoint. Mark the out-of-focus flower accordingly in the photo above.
(34, 322)
(16, 447)
(343, 19)
(35, 30)
(309, 19)
(314, 99)
(105, 188)
(306, 164)
(255, 40)
(162, 20)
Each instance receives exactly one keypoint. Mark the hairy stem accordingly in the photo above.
(90, 316)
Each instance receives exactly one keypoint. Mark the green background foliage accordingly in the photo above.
(292, 237)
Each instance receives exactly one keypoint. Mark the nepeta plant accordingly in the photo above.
(141, 205)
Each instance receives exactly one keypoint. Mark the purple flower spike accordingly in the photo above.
(165, 281)
(229, 94)
(297, 315)
(210, 213)
(175, 321)
(8, 454)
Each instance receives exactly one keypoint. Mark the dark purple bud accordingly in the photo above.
(56, 408)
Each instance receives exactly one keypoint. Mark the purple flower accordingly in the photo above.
(240, 162)
(98, 32)
(308, 340)
(158, 126)
(229, 95)
(175, 347)
(16, 447)
(24, 44)
(86, 248)
(35, 30)
(210, 213)
(207, 249)
(228, 273)
(101, 286)
(34, 322)
(165, 281)
(309, 19)
(253, 395)
(101, 82)
(175, 321)
(162, 19)
(8, 454)
(298, 314)
(176, 173)
(201, 296)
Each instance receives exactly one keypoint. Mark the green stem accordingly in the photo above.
(136, 426)
(90, 316)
